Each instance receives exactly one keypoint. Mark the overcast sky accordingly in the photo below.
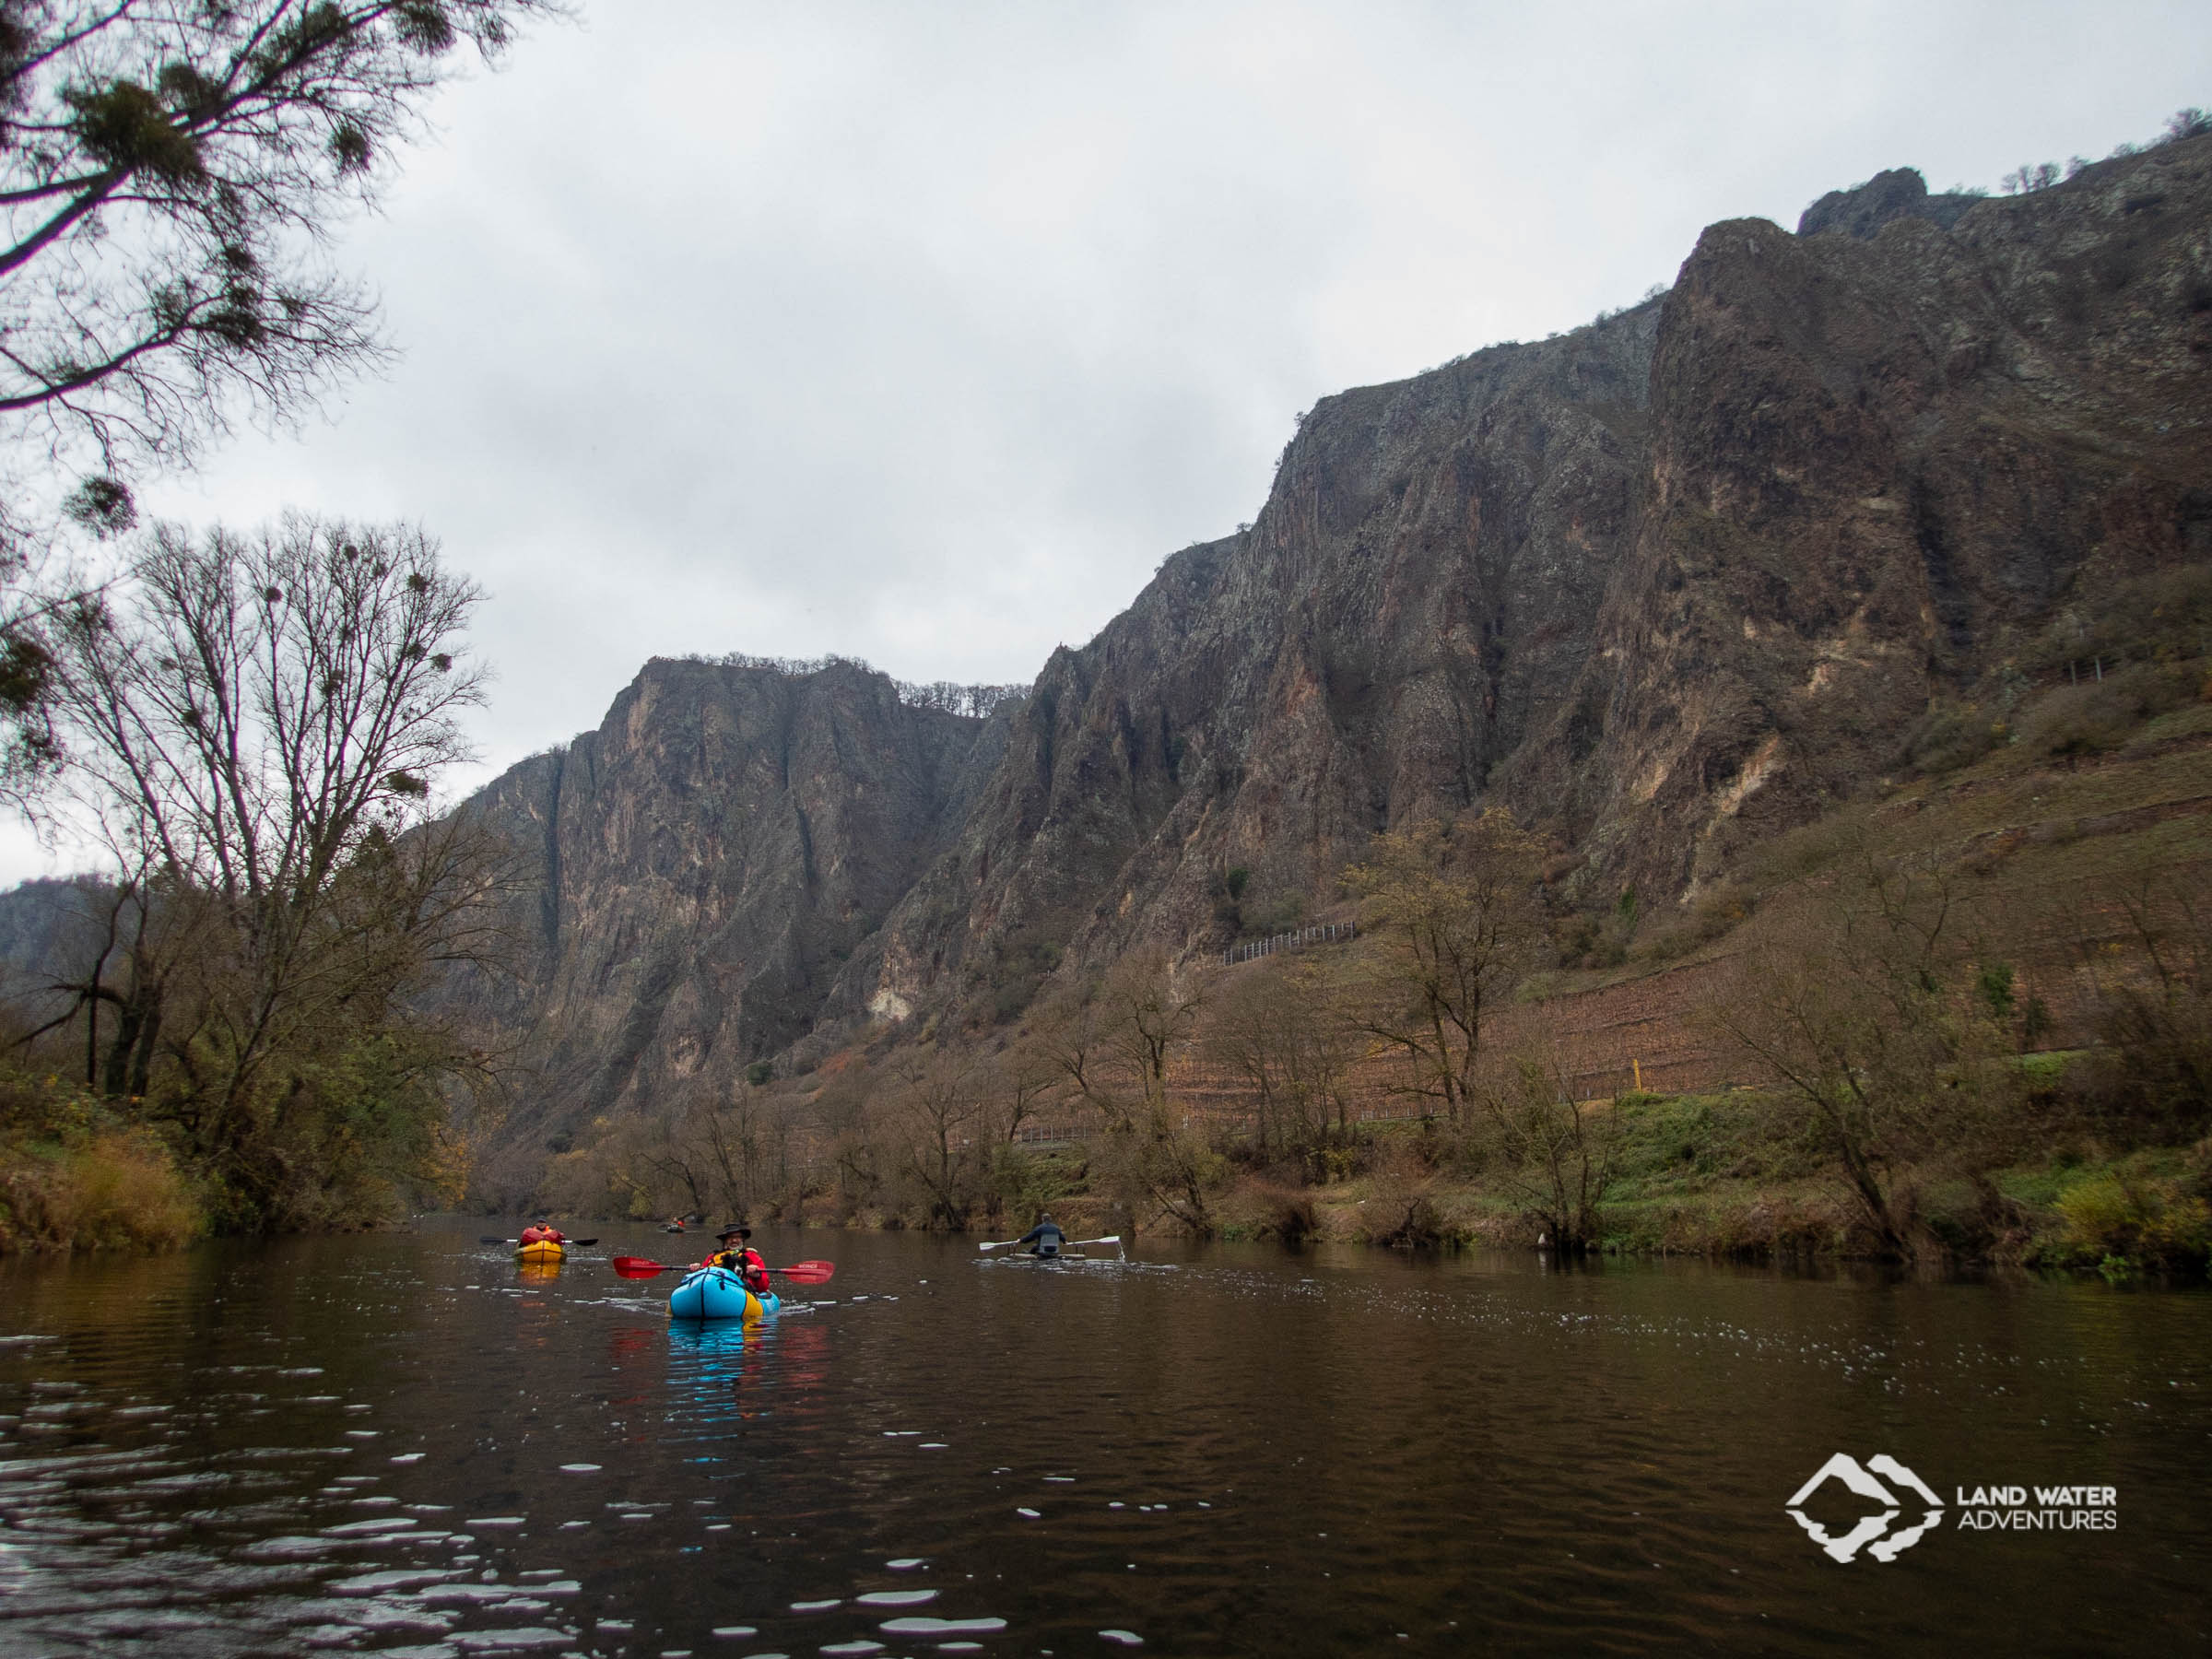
(922, 331)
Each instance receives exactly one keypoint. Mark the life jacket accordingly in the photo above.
(534, 1235)
(753, 1271)
(745, 1262)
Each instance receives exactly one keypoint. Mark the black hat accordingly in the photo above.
(734, 1232)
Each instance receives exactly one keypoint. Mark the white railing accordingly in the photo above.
(1324, 932)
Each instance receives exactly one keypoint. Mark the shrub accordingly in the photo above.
(2095, 716)
(1400, 1210)
(1262, 1209)
(1951, 735)
(116, 1190)
(2145, 1224)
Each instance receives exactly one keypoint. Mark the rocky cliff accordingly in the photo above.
(1670, 581)
(1874, 466)
(1408, 613)
(694, 873)
(1677, 577)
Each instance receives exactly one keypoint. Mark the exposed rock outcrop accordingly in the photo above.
(1872, 464)
(1667, 582)
(1679, 576)
(1863, 209)
(697, 870)
(1411, 606)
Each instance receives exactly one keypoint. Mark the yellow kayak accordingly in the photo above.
(539, 1253)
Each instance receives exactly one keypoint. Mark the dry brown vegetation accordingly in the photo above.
(1970, 1014)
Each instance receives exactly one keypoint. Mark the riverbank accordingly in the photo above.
(74, 1175)
(1724, 1175)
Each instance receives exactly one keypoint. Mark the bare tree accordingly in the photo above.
(2031, 177)
(935, 1118)
(171, 175)
(1148, 1011)
(1278, 1029)
(1072, 1036)
(254, 722)
(1555, 1154)
(1018, 1082)
(2142, 950)
(1865, 1006)
(730, 1127)
(1452, 923)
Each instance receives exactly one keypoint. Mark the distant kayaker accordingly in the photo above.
(740, 1258)
(1044, 1239)
(544, 1232)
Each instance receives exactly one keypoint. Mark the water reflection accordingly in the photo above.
(414, 1445)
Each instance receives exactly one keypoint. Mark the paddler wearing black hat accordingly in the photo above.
(740, 1258)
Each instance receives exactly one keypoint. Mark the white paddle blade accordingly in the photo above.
(1000, 1245)
(1109, 1238)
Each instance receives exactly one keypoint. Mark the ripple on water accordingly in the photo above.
(471, 1641)
(375, 1523)
(223, 1525)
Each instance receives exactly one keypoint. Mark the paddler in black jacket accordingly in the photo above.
(1044, 1239)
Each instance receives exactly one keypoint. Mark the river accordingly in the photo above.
(402, 1445)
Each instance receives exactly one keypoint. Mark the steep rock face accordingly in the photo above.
(1873, 464)
(1412, 604)
(697, 869)
(1674, 579)
(1668, 582)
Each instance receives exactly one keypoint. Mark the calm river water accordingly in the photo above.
(401, 1444)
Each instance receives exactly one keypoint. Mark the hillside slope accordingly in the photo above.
(1671, 580)
(1665, 586)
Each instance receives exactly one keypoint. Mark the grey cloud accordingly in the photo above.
(921, 333)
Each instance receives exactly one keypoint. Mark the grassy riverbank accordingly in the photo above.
(1717, 1175)
(1729, 1175)
(76, 1175)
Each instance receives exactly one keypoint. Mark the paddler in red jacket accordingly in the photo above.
(740, 1258)
(544, 1232)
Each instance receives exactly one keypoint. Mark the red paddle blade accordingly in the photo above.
(638, 1267)
(807, 1272)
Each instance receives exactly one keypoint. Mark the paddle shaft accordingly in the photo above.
(803, 1273)
(1002, 1243)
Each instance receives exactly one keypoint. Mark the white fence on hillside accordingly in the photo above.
(1325, 932)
